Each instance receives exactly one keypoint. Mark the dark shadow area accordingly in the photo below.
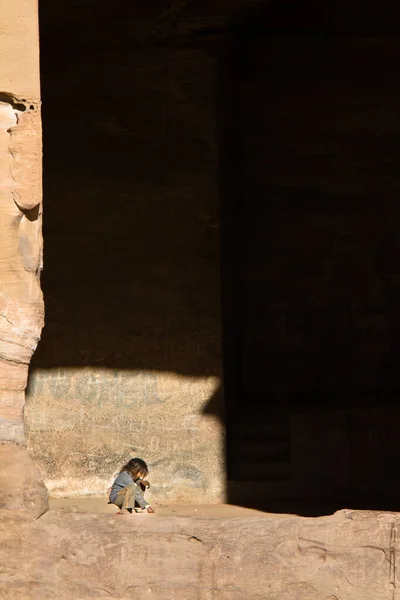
(128, 243)
(311, 294)
(282, 127)
(131, 244)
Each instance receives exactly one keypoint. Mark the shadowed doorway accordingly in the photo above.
(312, 298)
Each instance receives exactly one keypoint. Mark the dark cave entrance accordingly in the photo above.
(311, 302)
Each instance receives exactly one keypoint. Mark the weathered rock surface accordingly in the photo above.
(21, 302)
(347, 556)
(130, 357)
(106, 417)
(20, 481)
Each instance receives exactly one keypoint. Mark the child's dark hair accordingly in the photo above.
(134, 467)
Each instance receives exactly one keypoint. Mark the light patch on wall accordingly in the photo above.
(83, 424)
(8, 116)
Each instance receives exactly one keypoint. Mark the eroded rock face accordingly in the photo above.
(347, 556)
(84, 424)
(20, 481)
(21, 303)
(129, 363)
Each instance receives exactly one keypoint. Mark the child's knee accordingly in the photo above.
(131, 487)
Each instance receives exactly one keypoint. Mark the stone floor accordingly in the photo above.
(99, 505)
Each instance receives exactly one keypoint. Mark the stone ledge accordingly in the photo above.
(346, 556)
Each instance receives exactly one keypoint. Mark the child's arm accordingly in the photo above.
(140, 499)
(144, 484)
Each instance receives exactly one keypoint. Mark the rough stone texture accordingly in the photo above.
(21, 303)
(19, 47)
(84, 423)
(348, 556)
(130, 356)
(20, 481)
(315, 293)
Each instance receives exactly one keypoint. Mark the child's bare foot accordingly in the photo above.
(124, 511)
(150, 510)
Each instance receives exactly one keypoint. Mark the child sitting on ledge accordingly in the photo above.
(127, 491)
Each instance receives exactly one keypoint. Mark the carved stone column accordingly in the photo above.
(21, 302)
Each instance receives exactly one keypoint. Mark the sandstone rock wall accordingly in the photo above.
(20, 255)
(130, 355)
(130, 358)
(21, 302)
